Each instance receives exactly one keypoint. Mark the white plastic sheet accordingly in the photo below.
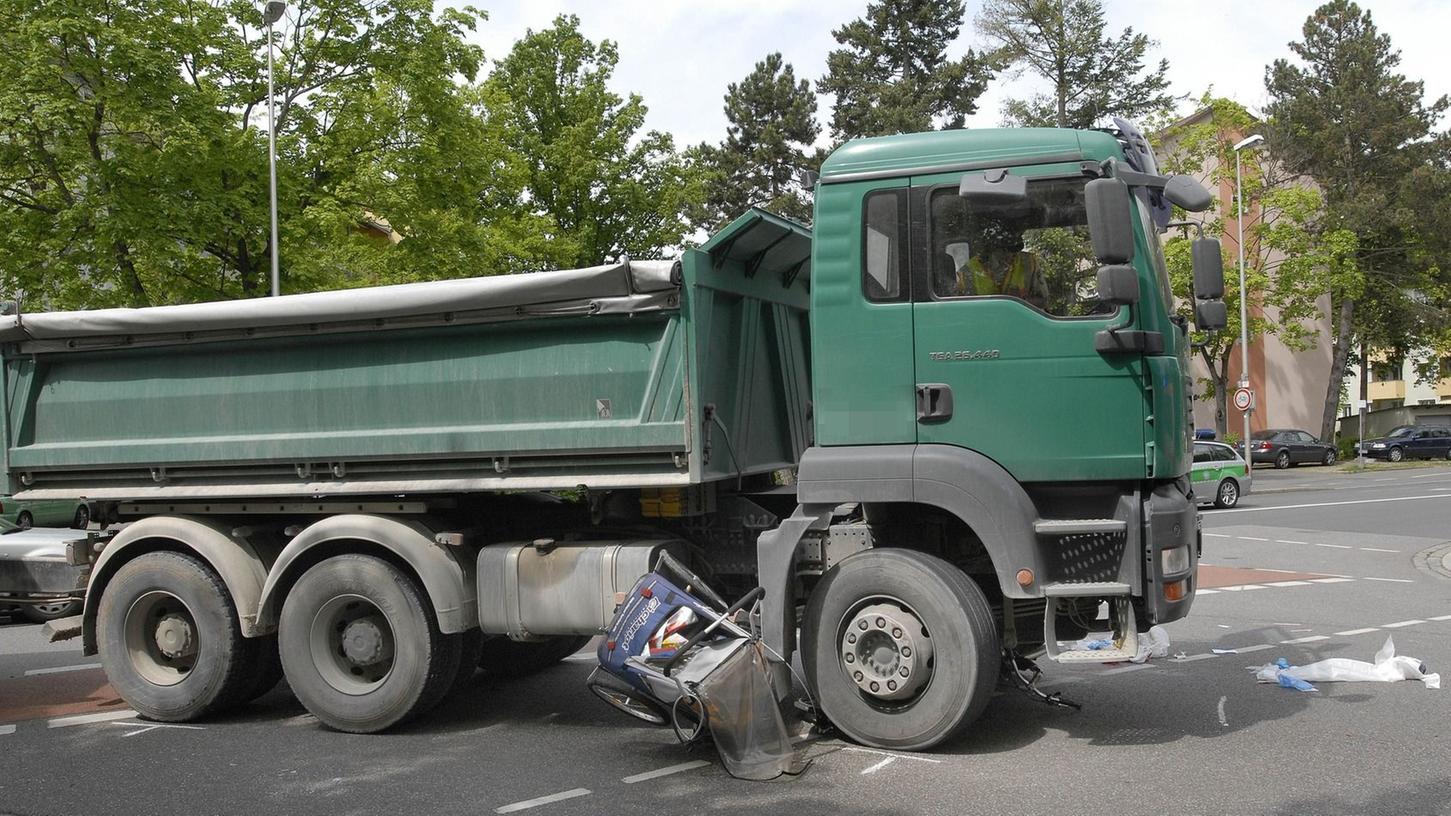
(1153, 643)
(1386, 667)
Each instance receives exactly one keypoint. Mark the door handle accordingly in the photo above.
(934, 402)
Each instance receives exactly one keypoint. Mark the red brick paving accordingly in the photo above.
(1211, 577)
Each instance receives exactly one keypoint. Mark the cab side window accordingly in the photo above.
(884, 246)
(1203, 453)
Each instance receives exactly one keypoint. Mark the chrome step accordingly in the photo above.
(1083, 589)
(1123, 641)
(1095, 655)
(1067, 527)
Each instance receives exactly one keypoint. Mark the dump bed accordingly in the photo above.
(594, 377)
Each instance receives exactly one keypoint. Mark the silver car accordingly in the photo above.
(35, 575)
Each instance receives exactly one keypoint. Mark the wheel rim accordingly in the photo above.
(885, 650)
(352, 643)
(1283, 460)
(161, 638)
(626, 702)
(1396, 454)
(1330, 458)
(1228, 493)
(24, 521)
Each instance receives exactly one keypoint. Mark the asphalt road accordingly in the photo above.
(1315, 564)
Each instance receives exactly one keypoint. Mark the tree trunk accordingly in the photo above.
(1221, 409)
(1337, 369)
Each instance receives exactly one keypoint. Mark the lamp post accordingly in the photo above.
(1243, 295)
(271, 14)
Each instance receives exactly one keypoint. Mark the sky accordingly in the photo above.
(680, 55)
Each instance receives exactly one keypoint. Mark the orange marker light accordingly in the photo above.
(1025, 577)
(1175, 591)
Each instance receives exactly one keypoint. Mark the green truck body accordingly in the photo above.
(784, 404)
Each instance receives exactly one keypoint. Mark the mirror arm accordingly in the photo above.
(1197, 225)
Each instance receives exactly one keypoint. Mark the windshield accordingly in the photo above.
(1036, 250)
(1404, 430)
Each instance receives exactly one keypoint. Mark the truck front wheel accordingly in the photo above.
(360, 647)
(900, 648)
(169, 639)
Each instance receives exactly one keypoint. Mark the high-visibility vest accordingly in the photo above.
(1020, 280)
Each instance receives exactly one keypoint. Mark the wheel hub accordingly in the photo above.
(174, 636)
(364, 643)
(886, 652)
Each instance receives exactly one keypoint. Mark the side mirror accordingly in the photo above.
(994, 187)
(1118, 284)
(1109, 220)
(1210, 315)
(1187, 193)
(1208, 269)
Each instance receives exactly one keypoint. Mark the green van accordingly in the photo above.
(1220, 476)
(45, 513)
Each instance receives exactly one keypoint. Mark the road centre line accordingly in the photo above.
(543, 800)
(890, 754)
(1309, 639)
(59, 669)
(1399, 624)
(1218, 535)
(1392, 580)
(1289, 541)
(1336, 580)
(1365, 631)
(1378, 549)
(1251, 538)
(86, 719)
(1336, 546)
(666, 771)
(1326, 504)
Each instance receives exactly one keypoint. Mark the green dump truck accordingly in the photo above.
(957, 404)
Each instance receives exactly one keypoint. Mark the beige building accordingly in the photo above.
(1289, 385)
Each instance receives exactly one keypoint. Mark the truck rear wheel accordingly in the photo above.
(169, 638)
(900, 648)
(503, 657)
(360, 647)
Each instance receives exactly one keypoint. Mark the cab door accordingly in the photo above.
(1013, 373)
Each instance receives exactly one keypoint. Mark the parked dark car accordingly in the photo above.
(1411, 442)
(1284, 447)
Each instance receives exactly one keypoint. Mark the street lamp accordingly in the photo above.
(271, 14)
(1243, 295)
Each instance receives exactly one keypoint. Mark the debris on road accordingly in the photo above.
(1153, 643)
(1386, 667)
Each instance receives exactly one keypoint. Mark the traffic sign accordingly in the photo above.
(1244, 399)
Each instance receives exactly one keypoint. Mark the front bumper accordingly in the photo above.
(1171, 520)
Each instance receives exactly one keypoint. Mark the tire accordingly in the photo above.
(954, 629)
(46, 612)
(1396, 454)
(82, 519)
(1227, 494)
(24, 521)
(507, 658)
(1282, 461)
(401, 664)
(1329, 458)
(170, 641)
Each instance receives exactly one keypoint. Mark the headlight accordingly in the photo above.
(1377, 445)
(1175, 560)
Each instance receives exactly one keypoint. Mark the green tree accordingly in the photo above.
(608, 188)
(772, 120)
(134, 169)
(1342, 115)
(892, 74)
(1093, 76)
(1291, 260)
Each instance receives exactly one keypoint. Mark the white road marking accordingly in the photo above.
(1349, 632)
(1129, 668)
(880, 765)
(1326, 504)
(666, 771)
(583, 658)
(1390, 479)
(1256, 648)
(543, 800)
(1206, 592)
(1310, 639)
(1289, 541)
(86, 719)
(1336, 580)
(148, 725)
(1217, 535)
(1378, 549)
(1336, 546)
(1393, 580)
(1399, 624)
(890, 754)
(1223, 720)
(59, 669)
(142, 730)
(1289, 583)
(1251, 538)
(7, 729)
(1441, 618)
(1192, 658)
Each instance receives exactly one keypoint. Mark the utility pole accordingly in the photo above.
(271, 14)
(1243, 294)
